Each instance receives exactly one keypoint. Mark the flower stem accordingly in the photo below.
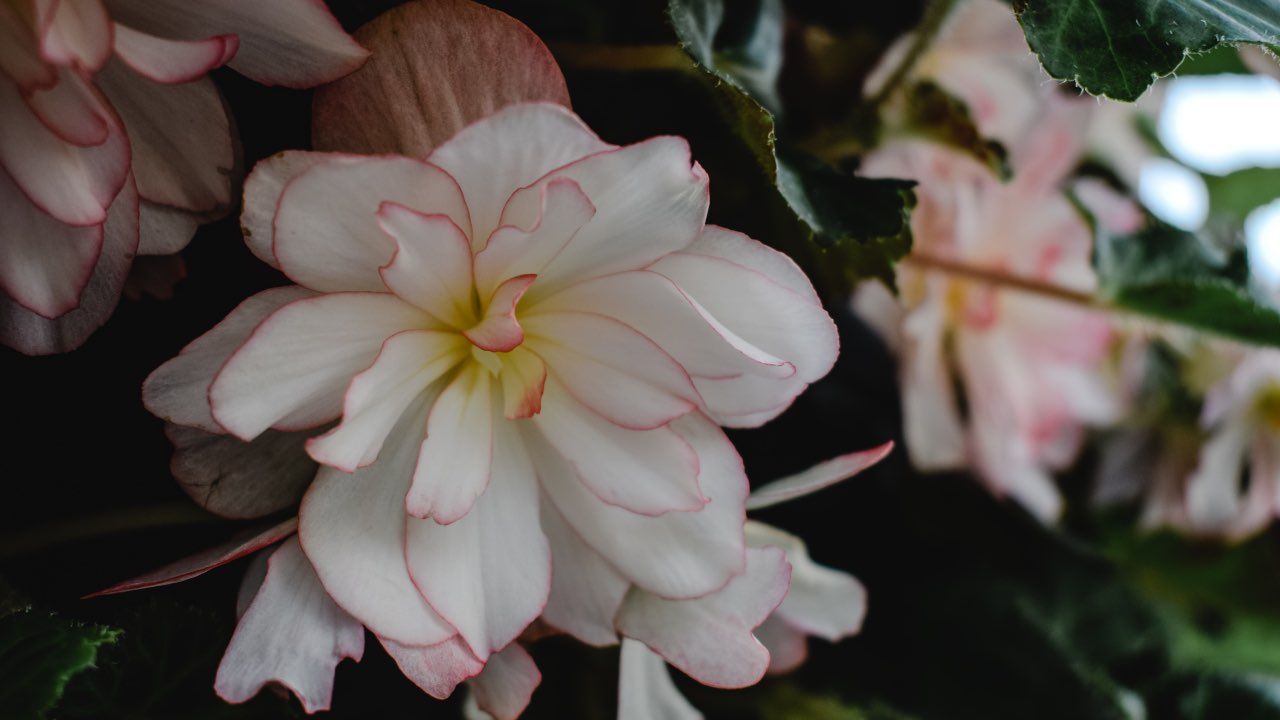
(1002, 279)
(62, 532)
(598, 56)
(934, 17)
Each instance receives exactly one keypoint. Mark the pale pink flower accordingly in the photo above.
(116, 143)
(1029, 365)
(509, 349)
(1234, 489)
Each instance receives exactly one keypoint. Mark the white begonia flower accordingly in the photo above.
(116, 143)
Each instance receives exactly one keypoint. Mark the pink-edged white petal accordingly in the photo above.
(662, 312)
(523, 377)
(20, 54)
(455, 464)
(822, 601)
(436, 669)
(206, 560)
(183, 155)
(518, 145)
(651, 200)
(74, 184)
(431, 267)
(178, 390)
(754, 255)
(352, 527)
(788, 646)
(586, 591)
(513, 251)
(295, 43)
(33, 334)
(240, 480)
(611, 368)
(649, 472)
(294, 369)
(772, 312)
(172, 61)
(498, 330)
(72, 110)
(820, 476)
(326, 225)
(165, 230)
(44, 264)
(678, 554)
(488, 573)
(292, 633)
(262, 191)
(78, 34)
(645, 688)
(709, 638)
(407, 363)
(436, 67)
(504, 688)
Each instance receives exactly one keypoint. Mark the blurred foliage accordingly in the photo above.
(1118, 48)
(1234, 195)
(39, 654)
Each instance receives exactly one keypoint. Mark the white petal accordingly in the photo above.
(645, 688)
(650, 200)
(172, 61)
(326, 225)
(820, 476)
(499, 330)
(178, 390)
(165, 230)
(293, 370)
(610, 368)
(788, 647)
(823, 602)
(508, 681)
(1213, 488)
(33, 334)
(523, 377)
(376, 398)
(649, 472)
(235, 479)
(292, 634)
(262, 191)
(710, 638)
(488, 574)
(181, 138)
(931, 415)
(431, 267)
(295, 43)
(436, 669)
(512, 251)
(76, 33)
(678, 554)
(455, 464)
(352, 527)
(586, 591)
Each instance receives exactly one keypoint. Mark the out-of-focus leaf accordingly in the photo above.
(39, 654)
(786, 701)
(861, 225)
(1235, 195)
(931, 112)
(1117, 48)
(1172, 275)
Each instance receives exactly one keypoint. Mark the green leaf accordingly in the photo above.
(931, 112)
(1171, 275)
(860, 226)
(39, 654)
(1235, 195)
(1117, 48)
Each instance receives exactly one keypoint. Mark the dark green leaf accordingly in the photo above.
(931, 112)
(1172, 275)
(39, 654)
(1117, 48)
(1235, 195)
(859, 225)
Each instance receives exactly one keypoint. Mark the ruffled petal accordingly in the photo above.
(456, 461)
(352, 527)
(172, 61)
(586, 591)
(709, 638)
(436, 669)
(523, 376)
(262, 191)
(295, 43)
(488, 574)
(292, 633)
(788, 647)
(512, 251)
(431, 267)
(499, 330)
(504, 688)
(240, 480)
(77, 34)
(436, 67)
(294, 369)
(678, 554)
(823, 602)
(407, 363)
(645, 688)
(649, 472)
(326, 224)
